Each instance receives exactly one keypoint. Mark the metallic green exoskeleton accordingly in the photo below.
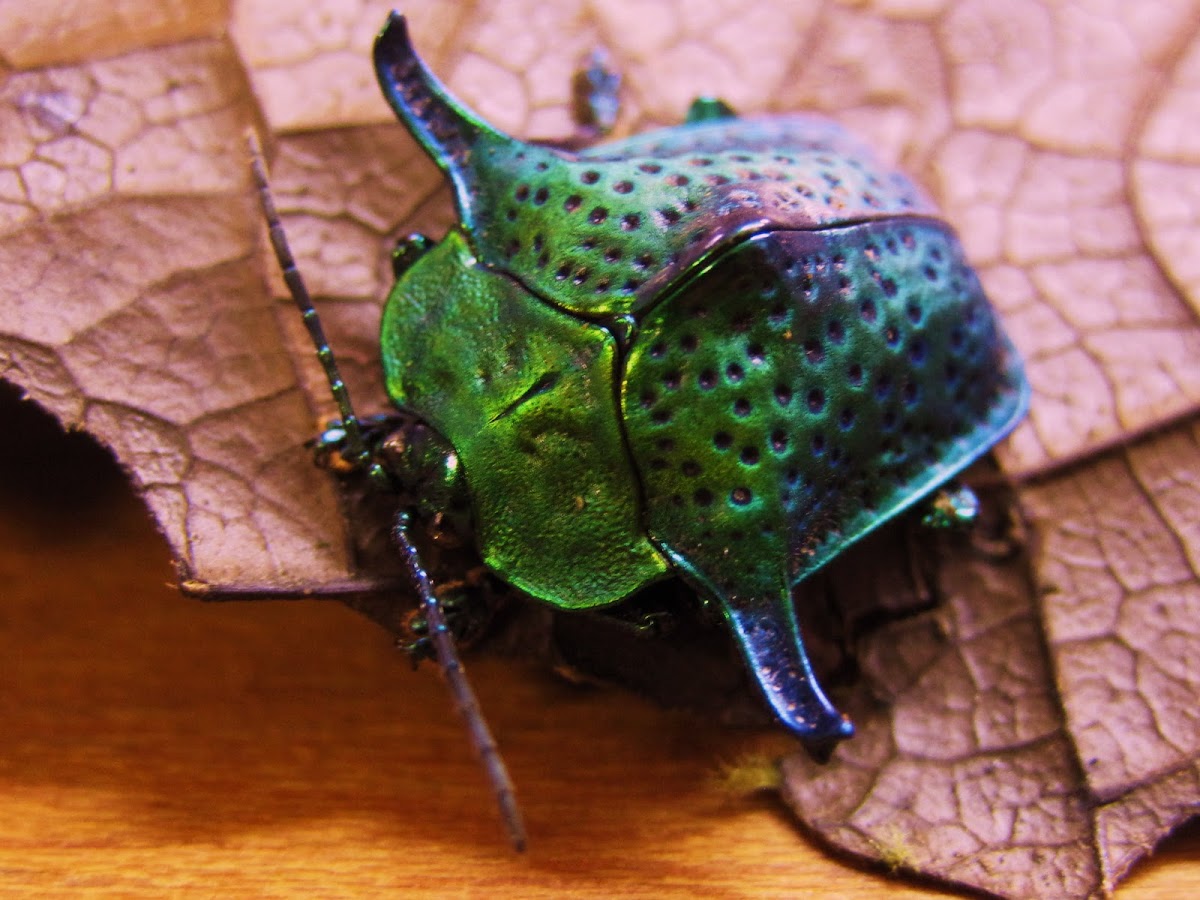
(723, 351)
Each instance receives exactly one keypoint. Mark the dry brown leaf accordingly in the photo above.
(969, 769)
(1059, 138)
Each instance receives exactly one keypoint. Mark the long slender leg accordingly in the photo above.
(460, 687)
(356, 450)
(359, 456)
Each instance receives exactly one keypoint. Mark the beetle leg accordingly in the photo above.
(460, 687)
(355, 452)
(596, 101)
(952, 507)
(708, 109)
(407, 251)
(769, 637)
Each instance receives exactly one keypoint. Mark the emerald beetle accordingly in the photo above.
(722, 351)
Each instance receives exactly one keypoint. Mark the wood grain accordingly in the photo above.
(159, 746)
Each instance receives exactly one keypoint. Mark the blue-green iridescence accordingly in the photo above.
(809, 386)
(795, 395)
(602, 232)
(525, 394)
(726, 350)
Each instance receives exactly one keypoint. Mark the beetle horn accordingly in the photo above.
(450, 133)
(769, 637)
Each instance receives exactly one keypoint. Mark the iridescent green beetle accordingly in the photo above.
(722, 351)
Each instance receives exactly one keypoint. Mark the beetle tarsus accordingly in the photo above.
(460, 688)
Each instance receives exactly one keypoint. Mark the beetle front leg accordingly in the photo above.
(460, 687)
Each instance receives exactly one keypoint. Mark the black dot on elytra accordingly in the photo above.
(630, 222)
(846, 419)
(612, 254)
(779, 440)
(814, 351)
(688, 343)
(740, 496)
(750, 456)
(783, 394)
(707, 379)
(650, 168)
(868, 311)
(572, 203)
(741, 407)
(690, 468)
(734, 372)
(540, 196)
(598, 215)
(816, 400)
(854, 374)
(521, 194)
(755, 353)
(591, 176)
(722, 440)
(836, 331)
(623, 187)
(818, 443)
(703, 497)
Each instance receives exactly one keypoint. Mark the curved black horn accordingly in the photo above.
(451, 134)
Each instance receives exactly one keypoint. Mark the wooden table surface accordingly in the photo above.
(157, 746)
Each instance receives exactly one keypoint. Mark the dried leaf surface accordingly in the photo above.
(1060, 139)
(1035, 737)
(132, 305)
(962, 768)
